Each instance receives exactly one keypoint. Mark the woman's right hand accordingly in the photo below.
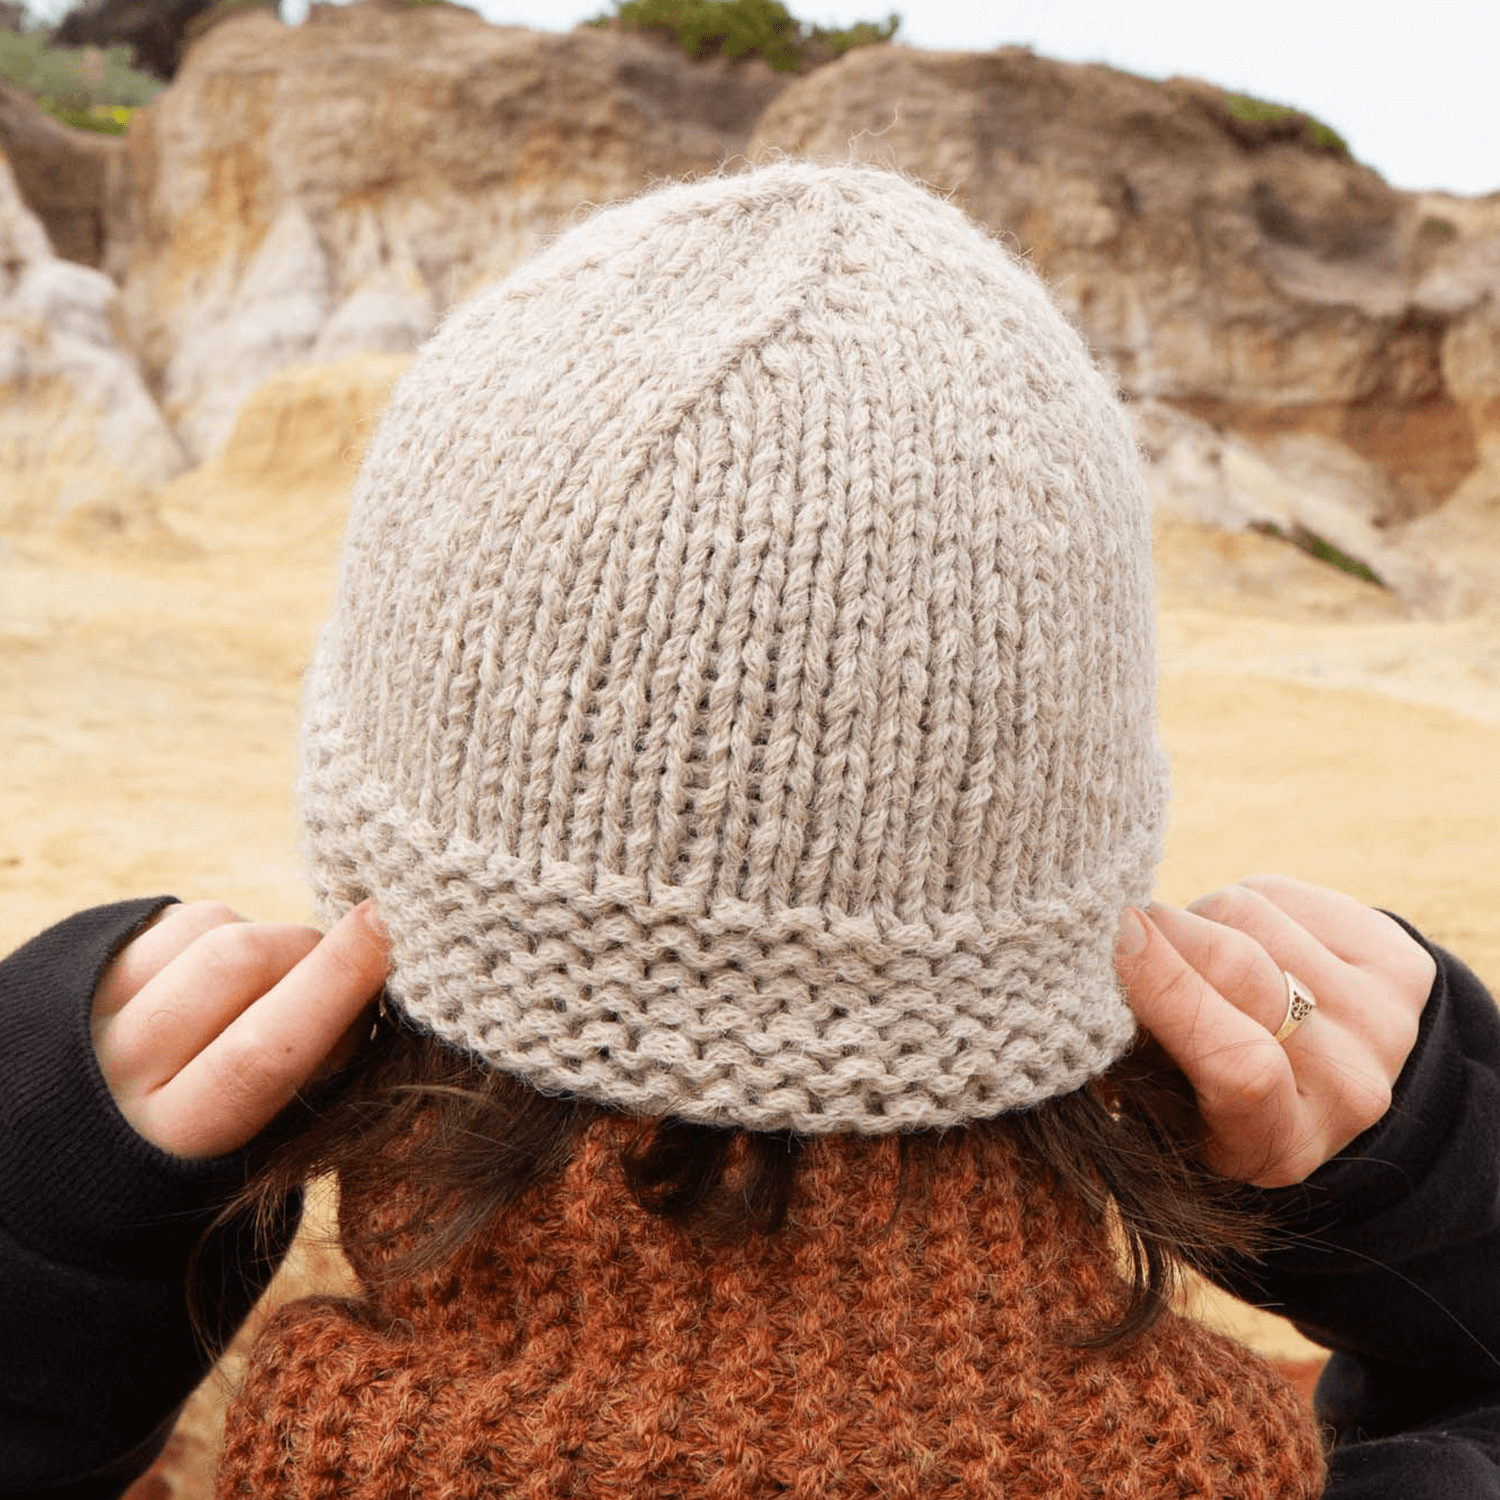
(206, 1026)
(1207, 984)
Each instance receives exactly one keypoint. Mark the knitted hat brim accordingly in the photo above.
(644, 998)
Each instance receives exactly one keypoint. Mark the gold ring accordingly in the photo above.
(1300, 1004)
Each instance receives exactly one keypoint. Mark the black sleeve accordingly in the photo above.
(1390, 1257)
(97, 1231)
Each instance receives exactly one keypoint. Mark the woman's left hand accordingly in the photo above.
(1208, 985)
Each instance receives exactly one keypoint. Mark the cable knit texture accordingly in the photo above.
(906, 1350)
(740, 691)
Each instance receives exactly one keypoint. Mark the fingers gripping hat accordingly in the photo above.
(740, 688)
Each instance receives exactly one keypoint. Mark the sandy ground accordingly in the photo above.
(149, 674)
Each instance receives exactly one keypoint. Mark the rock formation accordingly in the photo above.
(80, 436)
(281, 481)
(1276, 305)
(1308, 349)
(61, 174)
(269, 214)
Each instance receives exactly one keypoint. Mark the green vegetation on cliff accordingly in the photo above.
(1321, 548)
(1249, 110)
(94, 88)
(746, 28)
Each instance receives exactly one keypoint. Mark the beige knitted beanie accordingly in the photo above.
(740, 689)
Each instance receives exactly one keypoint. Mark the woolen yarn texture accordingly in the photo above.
(883, 1346)
(739, 693)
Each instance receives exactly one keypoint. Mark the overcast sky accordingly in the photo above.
(1413, 87)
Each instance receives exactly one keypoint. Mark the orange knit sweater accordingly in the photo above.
(878, 1346)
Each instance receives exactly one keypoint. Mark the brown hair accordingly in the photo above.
(1129, 1144)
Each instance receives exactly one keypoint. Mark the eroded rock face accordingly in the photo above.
(61, 174)
(270, 211)
(79, 434)
(1298, 487)
(1257, 284)
(1308, 348)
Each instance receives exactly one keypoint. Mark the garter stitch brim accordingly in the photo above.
(740, 689)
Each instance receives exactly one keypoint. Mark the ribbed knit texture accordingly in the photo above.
(740, 691)
(906, 1351)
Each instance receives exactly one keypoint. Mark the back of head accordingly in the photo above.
(740, 690)
(739, 698)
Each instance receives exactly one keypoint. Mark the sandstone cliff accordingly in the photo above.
(1308, 346)
(81, 441)
(61, 173)
(268, 211)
